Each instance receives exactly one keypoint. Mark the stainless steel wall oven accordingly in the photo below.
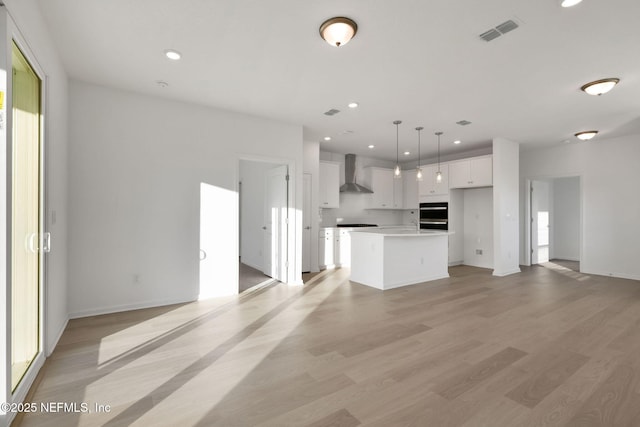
(434, 216)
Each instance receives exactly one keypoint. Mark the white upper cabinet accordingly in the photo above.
(429, 185)
(473, 172)
(329, 185)
(382, 183)
(410, 190)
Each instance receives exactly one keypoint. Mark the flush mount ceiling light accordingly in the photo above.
(353, 105)
(600, 86)
(338, 31)
(457, 141)
(418, 169)
(406, 153)
(396, 172)
(327, 138)
(586, 135)
(371, 146)
(172, 54)
(569, 3)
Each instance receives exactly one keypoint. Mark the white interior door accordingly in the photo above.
(306, 223)
(276, 216)
(539, 220)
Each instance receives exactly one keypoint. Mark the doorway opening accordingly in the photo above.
(555, 222)
(263, 217)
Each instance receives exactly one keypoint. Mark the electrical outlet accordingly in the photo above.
(478, 251)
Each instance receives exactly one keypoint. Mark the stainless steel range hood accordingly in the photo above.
(350, 185)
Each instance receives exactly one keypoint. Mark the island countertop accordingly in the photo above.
(390, 232)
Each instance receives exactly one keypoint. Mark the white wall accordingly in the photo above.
(506, 161)
(311, 162)
(353, 207)
(478, 227)
(136, 164)
(565, 216)
(610, 176)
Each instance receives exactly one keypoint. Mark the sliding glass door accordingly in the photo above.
(26, 233)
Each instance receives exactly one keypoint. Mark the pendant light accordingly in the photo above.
(418, 168)
(397, 173)
(438, 174)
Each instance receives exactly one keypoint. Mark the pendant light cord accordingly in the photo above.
(397, 123)
(438, 133)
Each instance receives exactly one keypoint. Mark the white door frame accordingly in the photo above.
(294, 227)
(527, 213)
(13, 34)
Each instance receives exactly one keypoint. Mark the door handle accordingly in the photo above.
(264, 228)
(32, 242)
(307, 228)
(46, 247)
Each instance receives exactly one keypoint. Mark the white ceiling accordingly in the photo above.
(418, 61)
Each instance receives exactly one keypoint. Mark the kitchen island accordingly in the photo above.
(391, 258)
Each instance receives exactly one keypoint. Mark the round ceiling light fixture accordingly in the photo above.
(457, 141)
(569, 3)
(600, 87)
(353, 105)
(586, 135)
(338, 31)
(174, 55)
(371, 146)
(327, 138)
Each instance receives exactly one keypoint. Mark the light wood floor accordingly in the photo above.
(547, 347)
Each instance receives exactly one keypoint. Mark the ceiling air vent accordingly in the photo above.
(490, 35)
(331, 112)
(507, 26)
(501, 29)
(463, 122)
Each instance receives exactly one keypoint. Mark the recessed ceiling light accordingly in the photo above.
(172, 54)
(371, 146)
(586, 135)
(569, 3)
(327, 138)
(599, 86)
(406, 153)
(353, 105)
(457, 141)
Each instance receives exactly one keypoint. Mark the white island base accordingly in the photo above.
(387, 259)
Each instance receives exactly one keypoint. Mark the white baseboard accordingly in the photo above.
(128, 307)
(505, 273)
(610, 274)
(52, 345)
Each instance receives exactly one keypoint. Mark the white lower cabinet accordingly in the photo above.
(334, 248)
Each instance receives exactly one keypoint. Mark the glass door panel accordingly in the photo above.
(26, 203)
